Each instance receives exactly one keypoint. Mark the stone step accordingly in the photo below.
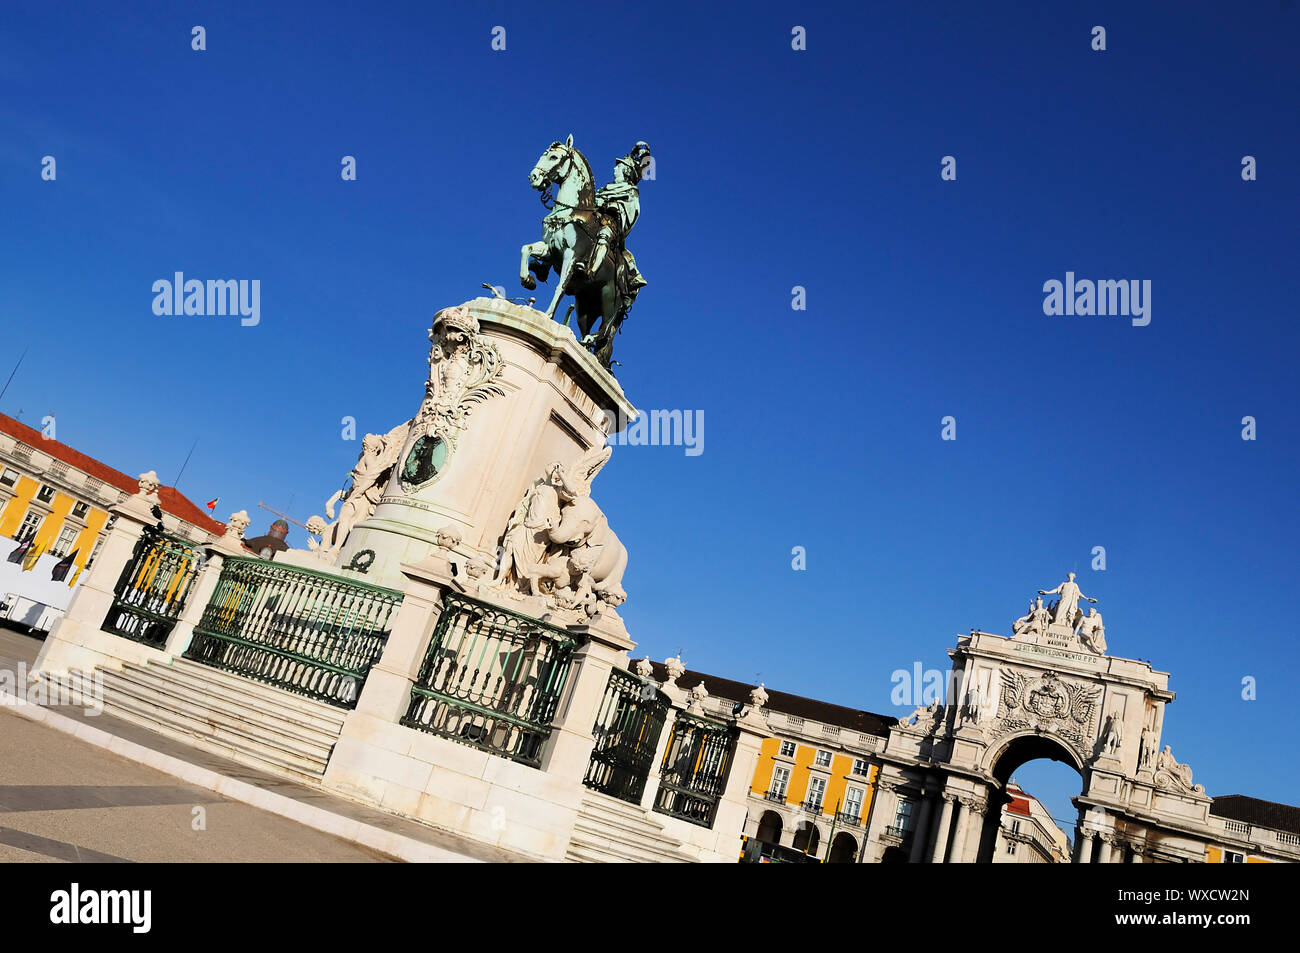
(253, 705)
(625, 845)
(655, 833)
(227, 712)
(237, 745)
(198, 673)
(608, 830)
(641, 830)
(581, 853)
(625, 815)
(291, 769)
(598, 852)
(197, 717)
(281, 763)
(601, 852)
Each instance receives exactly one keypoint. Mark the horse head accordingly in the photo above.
(558, 164)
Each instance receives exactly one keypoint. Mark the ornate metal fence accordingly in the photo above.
(152, 588)
(491, 679)
(309, 632)
(696, 763)
(627, 729)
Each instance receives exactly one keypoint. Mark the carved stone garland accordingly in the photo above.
(463, 371)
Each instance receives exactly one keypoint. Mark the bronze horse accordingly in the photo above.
(569, 237)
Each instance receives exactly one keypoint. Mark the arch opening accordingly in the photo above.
(1031, 815)
(769, 828)
(1020, 751)
(807, 838)
(844, 849)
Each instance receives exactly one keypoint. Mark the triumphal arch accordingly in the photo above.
(1050, 690)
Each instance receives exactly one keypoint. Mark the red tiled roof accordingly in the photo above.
(1019, 805)
(172, 500)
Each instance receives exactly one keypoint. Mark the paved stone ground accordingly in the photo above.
(64, 799)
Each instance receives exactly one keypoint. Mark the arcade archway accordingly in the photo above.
(1013, 756)
(807, 838)
(844, 849)
(769, 828)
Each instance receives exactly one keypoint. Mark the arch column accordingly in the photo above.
(945, 823)
(922, 828)
(968, 815)
(1107, 852)
(1085, 846)
(1076, 849)
(1097, 831)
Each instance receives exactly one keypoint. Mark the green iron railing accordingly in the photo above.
(305, 631)
(628, 725)
(492, 679)
(697, 761)
(152, 589)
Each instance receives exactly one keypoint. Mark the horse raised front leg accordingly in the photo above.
(525, 277)
(566, 270)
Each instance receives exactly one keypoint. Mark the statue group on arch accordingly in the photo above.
(1064, 616)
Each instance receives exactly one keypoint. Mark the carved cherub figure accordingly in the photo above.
(316, 526)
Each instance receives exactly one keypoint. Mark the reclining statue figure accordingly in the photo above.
(558, 541)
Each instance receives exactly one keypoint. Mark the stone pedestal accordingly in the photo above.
(1058, 636)
(508, 396)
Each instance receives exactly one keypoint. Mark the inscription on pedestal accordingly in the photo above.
(407, 501)
(1050, 652)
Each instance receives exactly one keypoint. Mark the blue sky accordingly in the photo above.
(774, 168)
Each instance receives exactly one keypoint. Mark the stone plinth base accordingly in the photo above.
(531, 397)
(490, 799)
(454, 787)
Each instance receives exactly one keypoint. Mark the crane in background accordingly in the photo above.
(283, 516)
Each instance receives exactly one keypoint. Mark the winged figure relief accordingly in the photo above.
(1083, 700)
(1013, 688)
